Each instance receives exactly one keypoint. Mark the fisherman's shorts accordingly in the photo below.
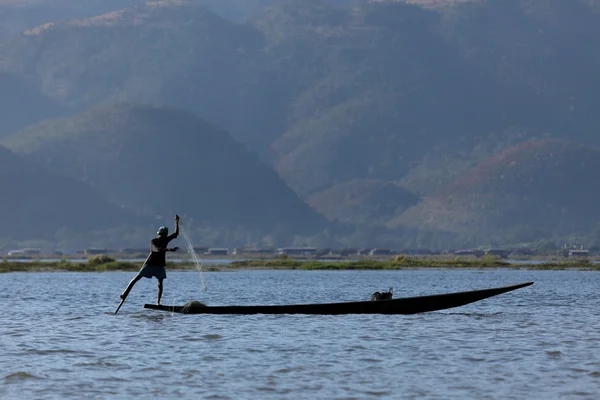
(149, 271)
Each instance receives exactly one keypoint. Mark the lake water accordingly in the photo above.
(59, 338)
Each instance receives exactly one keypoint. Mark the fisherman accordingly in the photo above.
(156, 261)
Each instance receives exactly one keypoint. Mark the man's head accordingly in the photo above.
(163, 231)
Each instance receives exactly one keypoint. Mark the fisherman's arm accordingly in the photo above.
(176, 232)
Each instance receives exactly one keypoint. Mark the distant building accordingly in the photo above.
(253, 251)
(217, 251)
(381, 252)
(25, 252)
(133, 250)
(347, 252)
(323, 252)
(365, 251)
(524, 252)
(469, 252)
(502, 253)
(93, 251)
(573, 251)
(578, 253)
(418, 252)
(297, 251)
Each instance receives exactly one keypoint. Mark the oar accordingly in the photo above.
(124, 298)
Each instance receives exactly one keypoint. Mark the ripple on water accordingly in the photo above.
(149, 369)
(193, 338)
(378, 393)
(102, 364)
(44, 352)
(554, 353)
(191, 373)
(255, 350)
(579, 370)
(20, 376)
(112, 379)
(288, 370)
(474, 359)
(370, 360)
(212, 337)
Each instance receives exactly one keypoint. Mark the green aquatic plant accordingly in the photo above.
(100, 259)
(274, 263)
(395, 263)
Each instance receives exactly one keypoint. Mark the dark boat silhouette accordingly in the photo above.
(408, 305)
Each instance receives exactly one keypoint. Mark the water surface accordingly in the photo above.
(60, 338)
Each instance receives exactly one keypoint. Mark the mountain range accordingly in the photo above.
(159, 161)
(542, 186)
(354, 115)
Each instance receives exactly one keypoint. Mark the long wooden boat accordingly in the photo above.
(408, 305)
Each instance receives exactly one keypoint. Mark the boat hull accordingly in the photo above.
(408, 305)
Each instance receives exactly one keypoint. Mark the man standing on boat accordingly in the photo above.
(156, 262)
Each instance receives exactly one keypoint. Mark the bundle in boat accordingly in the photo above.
(194, 303)
(377, 296)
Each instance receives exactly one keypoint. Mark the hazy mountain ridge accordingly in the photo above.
(169, 52)
(363, 201)
(37, 204)
(377, 92)
(19, 15)
(161, 161)
(546, 185)
(21, 104)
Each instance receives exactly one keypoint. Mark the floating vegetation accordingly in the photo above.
(100, 259)
(66, 266)
(269, 263)
(396, 263)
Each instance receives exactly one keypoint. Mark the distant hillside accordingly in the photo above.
(395, 81)
(334, 92)
(164, 160)
(430, 4)
(18, 15)
(37, 204)
(236, 10)
(549, 186)
(331, 93)
(21, 104)
(365, 201)
(174, 52)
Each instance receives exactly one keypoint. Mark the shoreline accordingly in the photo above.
(290, 264)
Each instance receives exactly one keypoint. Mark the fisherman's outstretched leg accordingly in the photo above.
(160, 290)
(130, 286)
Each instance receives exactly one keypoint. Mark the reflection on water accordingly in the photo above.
(60, 337)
